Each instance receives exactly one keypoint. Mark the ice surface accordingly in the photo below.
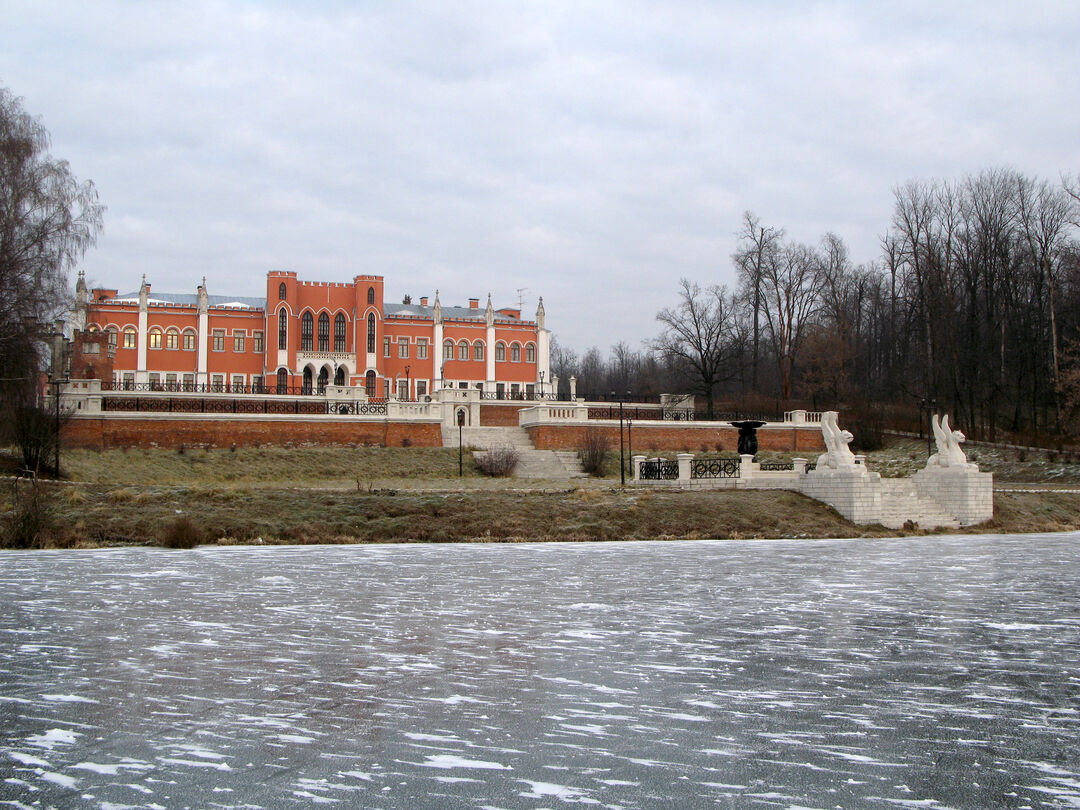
(937, 672)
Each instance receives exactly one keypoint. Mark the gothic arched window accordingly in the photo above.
(324, 332)
(282, 329)
(307, 325)
(339, 333)
(371, 332)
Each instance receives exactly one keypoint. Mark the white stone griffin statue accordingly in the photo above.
(948, 442)
(838, 455)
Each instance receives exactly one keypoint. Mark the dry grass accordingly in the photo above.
(300, 466)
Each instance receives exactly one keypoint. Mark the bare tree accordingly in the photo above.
(48, 219)
(696, 337)
(791, 283)
(758, 247)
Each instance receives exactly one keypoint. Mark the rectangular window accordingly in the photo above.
(238, 383)
(530, 391)
(257, 341)
(112, 337)
(170, 382)
(500, 352)
(386, 347)
(256, 385)
(189, 382)
(421, 388)
(448, 350)
(91, 348)
(403, 389)
(129, 380)
(238, 340)
(463, 385)
(129, 338)
(155, 339)
(219, 340)
(189, 341)
(155, 381)
(403, 347)
(217, 381)
(421, 348)
(171, 340)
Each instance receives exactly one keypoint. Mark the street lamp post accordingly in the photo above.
(622, 449)
(408, 384)
(541, 385)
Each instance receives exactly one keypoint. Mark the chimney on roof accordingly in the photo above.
(423, 300)
(474, 303)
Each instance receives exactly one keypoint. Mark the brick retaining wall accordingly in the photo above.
(689, 437)
(102, 433)
(500, 415)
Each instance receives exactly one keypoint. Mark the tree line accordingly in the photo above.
(972, 307)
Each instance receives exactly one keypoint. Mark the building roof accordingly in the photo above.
(448, 313)
(192, 299)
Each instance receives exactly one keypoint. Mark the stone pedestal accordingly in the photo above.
(852, 490)
(963, 492)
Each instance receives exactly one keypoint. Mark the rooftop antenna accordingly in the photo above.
(521, 297)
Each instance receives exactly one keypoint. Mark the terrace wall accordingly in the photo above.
(171, 431)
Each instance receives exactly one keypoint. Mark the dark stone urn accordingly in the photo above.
(747, 436)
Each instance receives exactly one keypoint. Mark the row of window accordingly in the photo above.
(187, 340)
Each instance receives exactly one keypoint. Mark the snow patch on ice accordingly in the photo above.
(452, 761)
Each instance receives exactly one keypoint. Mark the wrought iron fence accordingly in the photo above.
(305, 407)
(776, 466)
(714, 468)
(520, 396)
(659, 470)
(637, 414)
(208, 388)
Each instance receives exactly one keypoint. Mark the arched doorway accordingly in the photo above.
(339, 376)
(369, 384)
(307, 380)
(324, 378)
(282, 381)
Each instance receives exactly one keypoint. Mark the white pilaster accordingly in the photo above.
(204, 335)
(141, 375)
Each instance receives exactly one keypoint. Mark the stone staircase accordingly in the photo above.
(558, 465)
(900, 500)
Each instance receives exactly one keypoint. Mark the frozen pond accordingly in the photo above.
(928, 672)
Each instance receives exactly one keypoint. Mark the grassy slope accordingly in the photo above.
(307, 495)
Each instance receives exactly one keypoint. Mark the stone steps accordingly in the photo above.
(900, 500)
(557, 465)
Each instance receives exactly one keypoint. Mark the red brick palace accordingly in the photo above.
(304, 336)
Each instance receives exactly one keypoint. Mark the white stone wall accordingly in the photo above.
(965, 493)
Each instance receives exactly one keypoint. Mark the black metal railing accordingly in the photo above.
(209, 388)
(659, 470)
(520, 396)
(776, 466)
(643, 414)
(306, 407)
(714, 468)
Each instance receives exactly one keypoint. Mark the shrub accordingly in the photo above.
(30, 517)
(182, 533)
(497, 462)
(593, 451)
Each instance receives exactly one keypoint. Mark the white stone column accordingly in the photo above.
(635, 464)
(746, 467)
(141, 375)
(684, 459)
(573, 389)
(437, 350)
(489, 319)
(201, 377)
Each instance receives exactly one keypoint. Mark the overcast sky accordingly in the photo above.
(591, 153)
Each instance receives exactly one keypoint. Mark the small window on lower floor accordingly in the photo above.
(129, 380)
(155, 381)
(421, 388)
(189, 382)
(238, 383)
(217, 382)
(170, 382)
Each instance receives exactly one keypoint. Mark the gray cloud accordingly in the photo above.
(590, 154)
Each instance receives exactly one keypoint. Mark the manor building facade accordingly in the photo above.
(304, 336)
